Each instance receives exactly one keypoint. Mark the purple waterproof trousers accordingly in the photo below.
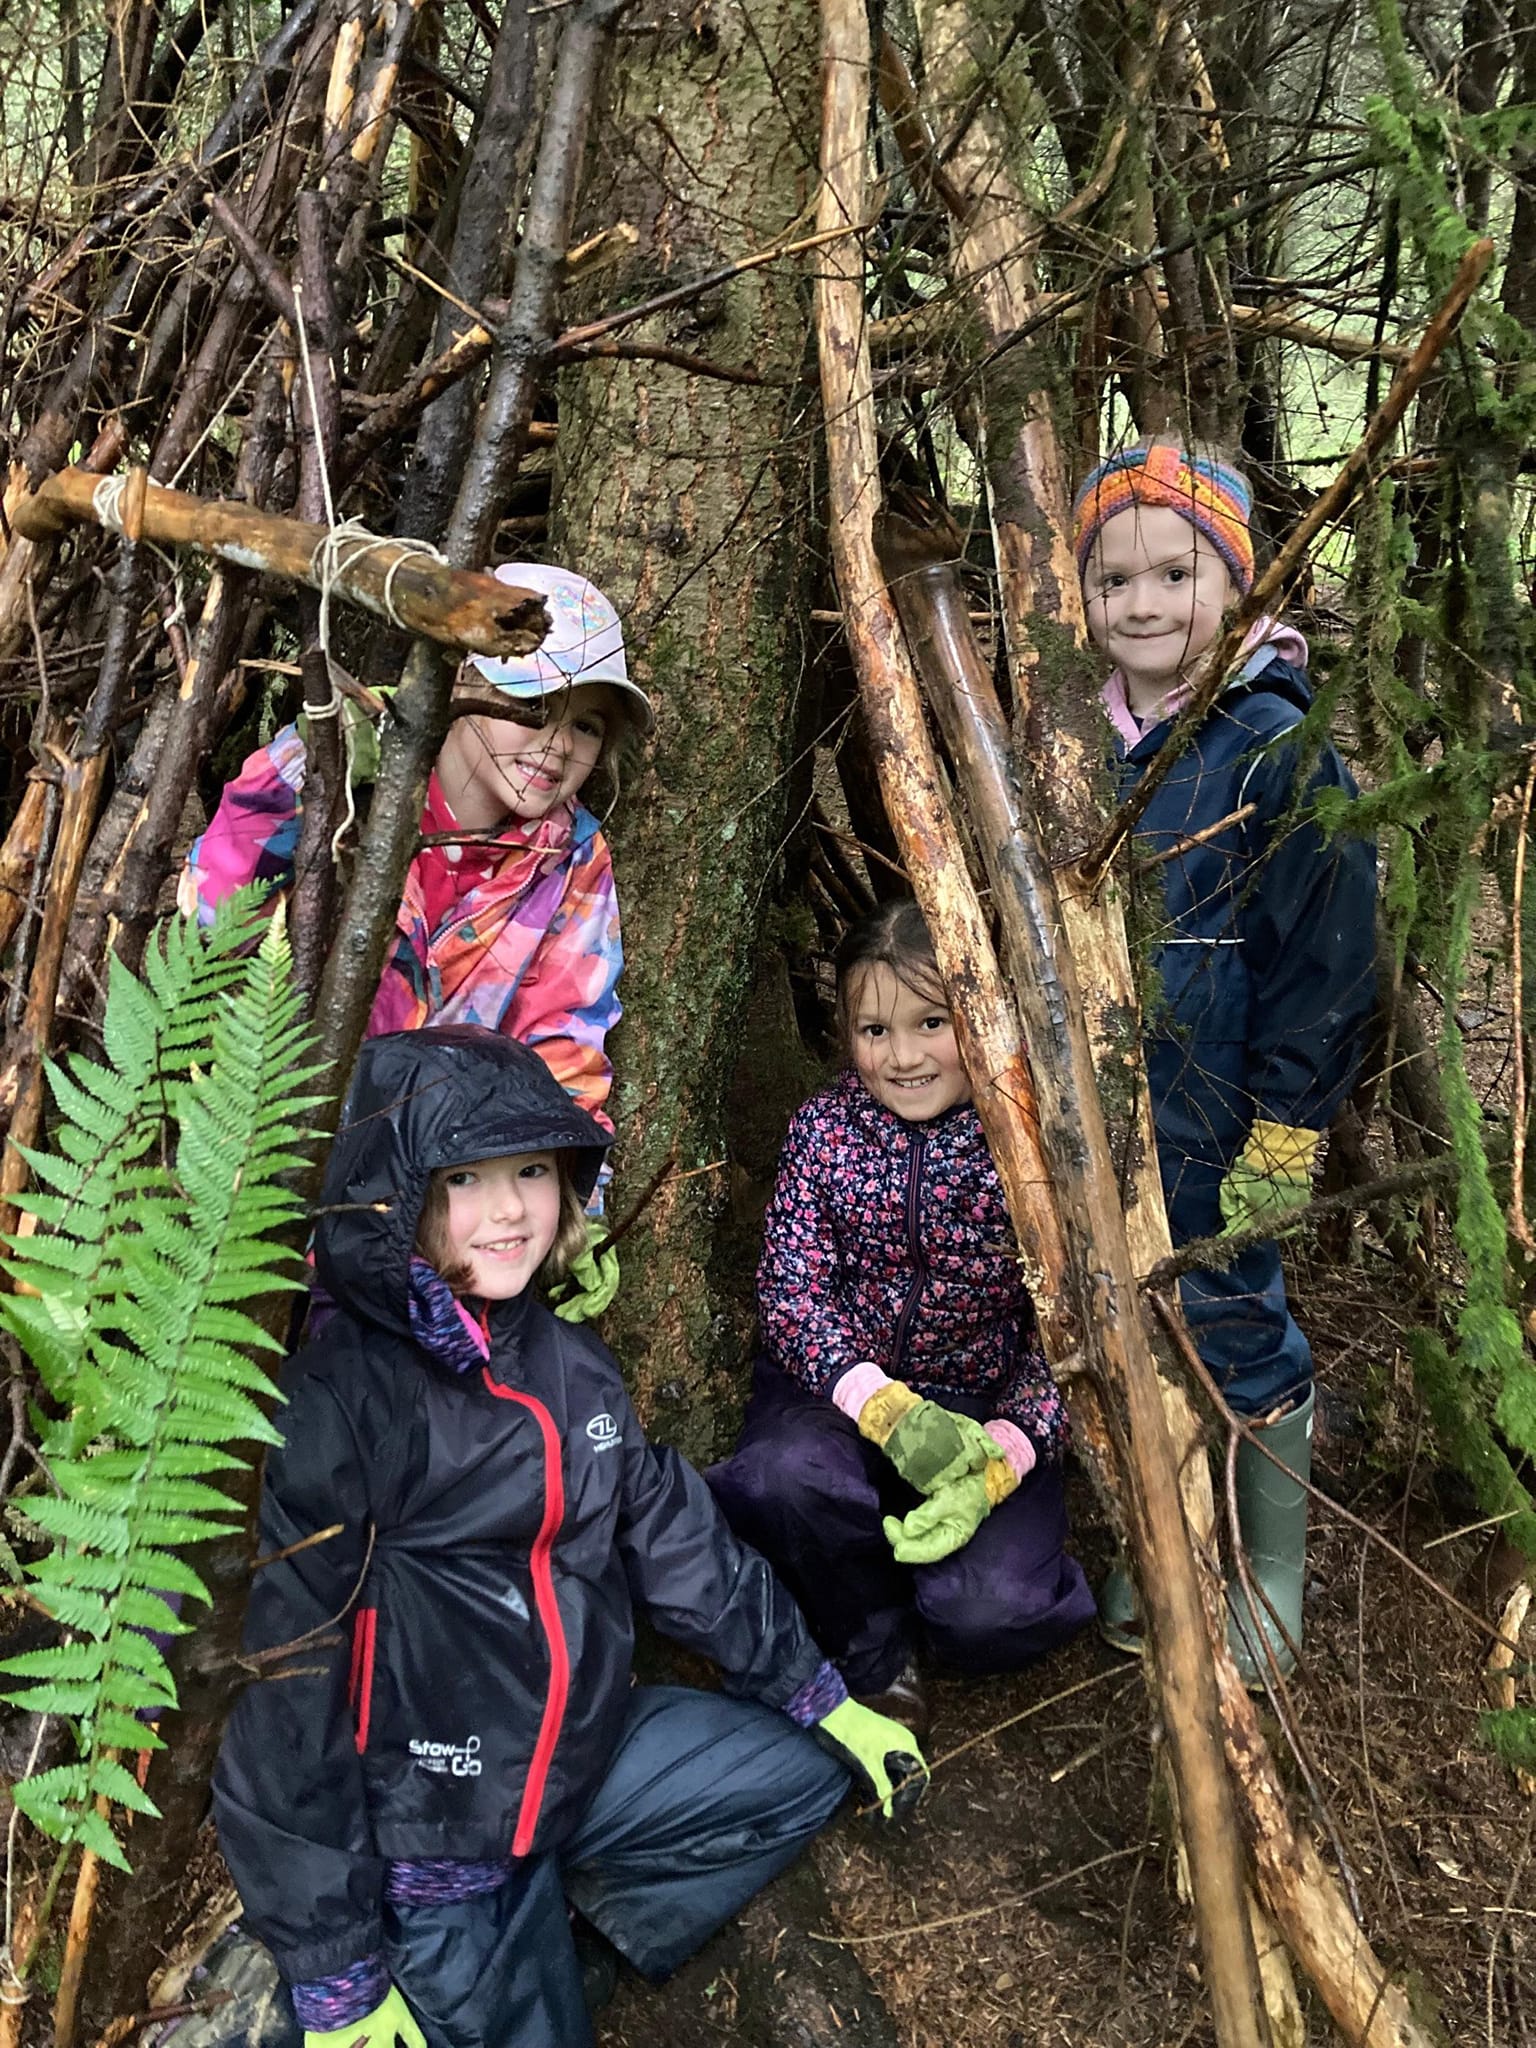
(809, 1492)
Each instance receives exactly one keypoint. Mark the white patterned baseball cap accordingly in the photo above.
(584, 644)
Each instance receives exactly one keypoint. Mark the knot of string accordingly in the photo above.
(107, 502)
(340, 548)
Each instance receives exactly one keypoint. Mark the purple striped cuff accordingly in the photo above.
(821, 1694)
(330, 2002)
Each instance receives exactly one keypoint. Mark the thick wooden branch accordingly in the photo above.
(523, 344)
(909, 775)
(458, 607)
(1117, 1346)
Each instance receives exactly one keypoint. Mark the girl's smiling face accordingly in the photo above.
(1155, 590)
(491, 769)
(503, 1216)
(904, 1046)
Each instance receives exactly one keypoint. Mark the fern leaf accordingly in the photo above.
(123, 1788)
(87, 1827)
(163, 1210)
(63, 1661)
(117, 1730)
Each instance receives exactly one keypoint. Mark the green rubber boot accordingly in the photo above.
(1120, 1611)
(1272, 1514)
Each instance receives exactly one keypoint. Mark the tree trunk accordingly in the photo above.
(684, 498)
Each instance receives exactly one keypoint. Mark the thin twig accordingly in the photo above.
(673, 358)
(1155, 860)
(1028, 1714)
(13, 1450)
(679, 295)
(254, 1660)
(1509, 1899)
(1219, 1250)
(305, 1542)
(852, 839)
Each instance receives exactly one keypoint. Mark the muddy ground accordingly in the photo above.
(1036, 1882)
(1032, 1901)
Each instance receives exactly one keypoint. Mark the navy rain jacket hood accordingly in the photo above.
(1262, 937)
(457, 1656)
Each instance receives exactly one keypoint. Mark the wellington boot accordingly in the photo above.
(1120, 1611)
(1272, 1514)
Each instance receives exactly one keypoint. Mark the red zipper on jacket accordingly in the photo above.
(549, 1614)
(360, 1681)
(919, 1269)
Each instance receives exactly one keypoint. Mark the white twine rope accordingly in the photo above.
(225, 403)
(107, 502)
(340, 548)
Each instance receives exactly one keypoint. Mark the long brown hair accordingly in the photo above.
(893, 936)
(432, 1230)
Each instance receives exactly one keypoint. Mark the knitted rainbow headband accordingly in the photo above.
(1210, 495)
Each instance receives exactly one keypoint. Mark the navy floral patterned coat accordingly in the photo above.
(890, 1241)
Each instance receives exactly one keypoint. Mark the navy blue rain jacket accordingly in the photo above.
(460, 1649)
(1262, 939)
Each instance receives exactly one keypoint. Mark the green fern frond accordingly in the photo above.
(166, 1208)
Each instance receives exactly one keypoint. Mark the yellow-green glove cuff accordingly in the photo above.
(1284, 1150)
(884, 1409)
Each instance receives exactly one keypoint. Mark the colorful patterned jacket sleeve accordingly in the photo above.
(566, 1004)
(253, 835)
(804, 1325)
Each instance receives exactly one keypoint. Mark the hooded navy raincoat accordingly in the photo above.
(1263, 943)
(458, 1674)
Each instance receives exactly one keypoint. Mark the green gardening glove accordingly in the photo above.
(927, 1444)
(882, 1755)
(387, 2024)
(1270, 1177)
(948, 1519)
(592, 1280)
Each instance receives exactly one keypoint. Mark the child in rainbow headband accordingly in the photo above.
(1265, 954)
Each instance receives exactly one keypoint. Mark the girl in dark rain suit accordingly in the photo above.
(448, 1745)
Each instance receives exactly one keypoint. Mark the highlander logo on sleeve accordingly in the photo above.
(448, 1759)
(604, 1432)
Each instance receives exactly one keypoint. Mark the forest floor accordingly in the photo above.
(1035, 1880)
(1032, 1902)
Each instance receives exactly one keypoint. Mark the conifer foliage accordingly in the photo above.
(165, 1205)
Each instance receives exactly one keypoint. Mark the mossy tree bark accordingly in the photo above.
(685, 497)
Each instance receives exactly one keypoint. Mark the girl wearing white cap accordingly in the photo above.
(516, 925)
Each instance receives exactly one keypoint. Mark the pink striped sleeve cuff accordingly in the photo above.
(856, 1386)
(1012, 1442)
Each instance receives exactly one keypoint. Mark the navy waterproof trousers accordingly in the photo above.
(705, 1801)
(809, 1492)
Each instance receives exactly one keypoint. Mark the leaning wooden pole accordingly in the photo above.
(1306, 1902)
(985, 1025)
(993, 236)
(1110, 1324)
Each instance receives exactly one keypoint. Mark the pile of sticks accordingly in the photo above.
(217, 317)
